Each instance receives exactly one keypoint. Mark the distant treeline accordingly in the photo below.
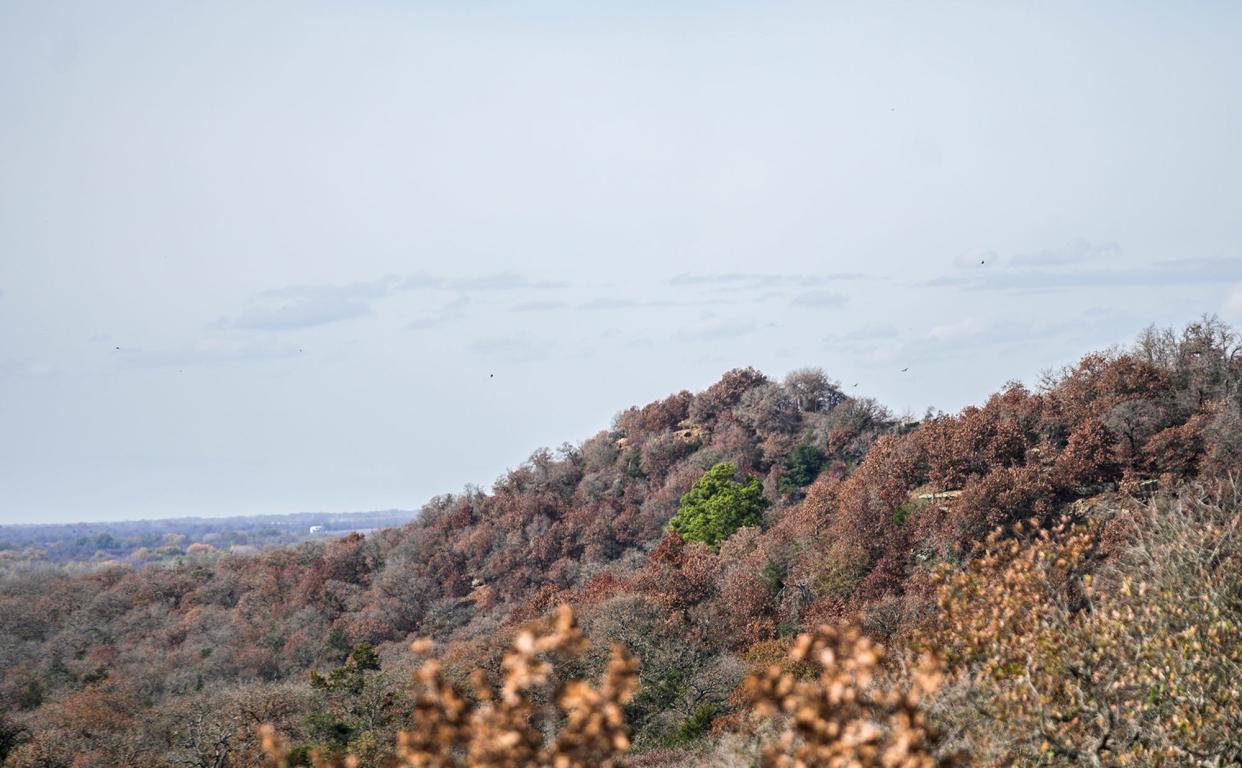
(140, 541)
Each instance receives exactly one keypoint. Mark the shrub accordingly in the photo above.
(843, 716)
(509, 728)
(696, 726)
(1067, 662)
(813, 390)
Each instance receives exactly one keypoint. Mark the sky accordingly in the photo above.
(272, 257)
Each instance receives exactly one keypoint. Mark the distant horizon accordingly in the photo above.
(213, 518)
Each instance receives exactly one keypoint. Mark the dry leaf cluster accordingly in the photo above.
(533, 719)
(844, 717)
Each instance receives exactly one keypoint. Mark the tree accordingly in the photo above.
(205, 732)
(802, 468)
(676, 680)
(768, 409)
(813, 390)
(352, 676)
(717, 505)
(359, 705)
(720, 397)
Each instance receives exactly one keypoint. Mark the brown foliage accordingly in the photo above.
(659, 416)
(1063, 660)
(534, 719)
(843, 717)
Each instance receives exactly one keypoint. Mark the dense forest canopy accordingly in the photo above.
(1068, 552)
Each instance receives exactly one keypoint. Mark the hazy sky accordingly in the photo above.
(264, 257)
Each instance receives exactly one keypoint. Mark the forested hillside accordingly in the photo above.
(1066, 554)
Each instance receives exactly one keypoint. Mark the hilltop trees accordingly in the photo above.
(812, 390)
(719, 503)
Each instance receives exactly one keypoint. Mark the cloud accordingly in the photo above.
(756, 280)
(960, 337)
(960, 329)
(502, 281)
(597, 304)
(871, 345)
(421, 280)
(512, 349)
(26, 368)
(450, 312)
(1231, 310)
(208, 351)
(306, 306)
(537, 306)
(977, 258)
(1076, 251)
(499, 281)
(863, 334)
(819, 300)
(718, 331)
(970, 335)
(1164, 273)
(607, 303)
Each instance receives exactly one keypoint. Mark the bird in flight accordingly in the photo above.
(903, 370)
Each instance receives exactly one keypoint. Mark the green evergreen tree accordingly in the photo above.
(719, 503)
(357, 700)
(802, 468)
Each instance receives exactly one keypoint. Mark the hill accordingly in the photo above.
(704, 533)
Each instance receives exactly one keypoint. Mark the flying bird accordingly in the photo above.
(903, 370)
